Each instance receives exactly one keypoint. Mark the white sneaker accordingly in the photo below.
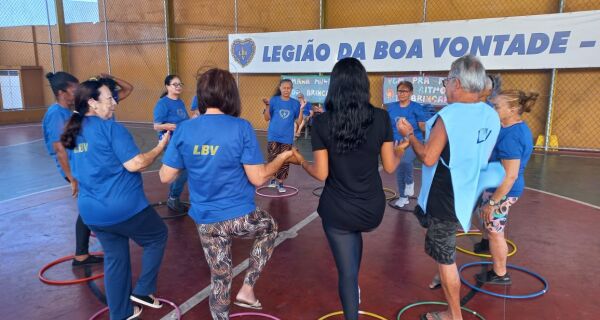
(401, 202)
(409, 189)
(281, 188)
(272, 183)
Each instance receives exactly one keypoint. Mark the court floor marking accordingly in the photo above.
(22, 143)
(51, 189)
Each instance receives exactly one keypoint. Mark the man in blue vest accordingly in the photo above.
(459, 141)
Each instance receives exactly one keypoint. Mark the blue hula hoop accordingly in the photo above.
(499, 295)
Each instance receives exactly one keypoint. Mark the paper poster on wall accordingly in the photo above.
(562, 40)
(313, 87)
(426, 89)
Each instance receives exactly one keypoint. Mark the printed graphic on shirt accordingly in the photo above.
(284, 113)
(205, 150)
(484, 134)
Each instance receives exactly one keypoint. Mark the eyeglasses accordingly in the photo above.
(403, 91)
(445, 81)
(177, 85)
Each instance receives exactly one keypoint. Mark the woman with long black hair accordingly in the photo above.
(63, 86)
(107, 164)
(347, 141)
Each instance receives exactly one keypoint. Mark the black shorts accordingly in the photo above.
(440, 240)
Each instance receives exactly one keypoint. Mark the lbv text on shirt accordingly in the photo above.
(82, 147)
(484, 134)
(205, 150)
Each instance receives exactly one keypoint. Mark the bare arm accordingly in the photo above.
(429, 153)
(164, 126)
(301, 115)
(319, 169)
(258, 174)
(512, 173)
(143, 160)
(267, 110)
(63, 161)
(391, 155)
(421, 126)
(168, 174)
(126, 88)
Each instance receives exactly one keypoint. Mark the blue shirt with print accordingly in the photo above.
(283, 114)
(108, 193)
(214, 149)
(168, 110)
(414, 113)
(514, 142)
(52, 127)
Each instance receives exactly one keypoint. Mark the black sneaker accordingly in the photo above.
(89, 260)
(482, 247)
(149, 300)
(491, 277)
(176, 205)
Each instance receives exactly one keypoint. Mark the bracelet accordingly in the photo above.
(302, 163)
(410, 134)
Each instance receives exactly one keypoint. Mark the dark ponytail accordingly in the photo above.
(168, 80)
(60, 81)
(87, 90)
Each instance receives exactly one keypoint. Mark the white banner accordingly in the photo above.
(565, 40)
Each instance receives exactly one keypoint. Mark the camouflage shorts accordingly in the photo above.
(440, 240)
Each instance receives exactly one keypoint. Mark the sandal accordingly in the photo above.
(435, 283)
(433, 316)
(245, 304)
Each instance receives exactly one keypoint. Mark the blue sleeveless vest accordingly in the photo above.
(472, 130)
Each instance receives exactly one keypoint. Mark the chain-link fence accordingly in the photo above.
(141, 41)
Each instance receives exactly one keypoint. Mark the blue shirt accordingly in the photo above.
(307, 109)
(52, 126)
(283, 114)
(414, 113)
(108, 193)
(194, 105)
(514, 142)
(213, 149)
(168, 110)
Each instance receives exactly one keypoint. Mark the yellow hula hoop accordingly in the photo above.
(394, 194)
(483, 255)
(365, 313)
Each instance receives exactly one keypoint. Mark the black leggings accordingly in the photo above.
(82, 235)
(346, 247)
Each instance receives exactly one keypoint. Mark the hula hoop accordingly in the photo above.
(316, 193)
(162, 203)
(421, 303)
(293, 193)
(66, 282)
(483, 255)
(364, 313)
(177, 310)
(499, 295)
(256, 314)
(393, 196)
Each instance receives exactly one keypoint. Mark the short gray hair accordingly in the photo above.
(471, 73)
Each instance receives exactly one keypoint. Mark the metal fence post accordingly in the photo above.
(106, 37)
(548, 130)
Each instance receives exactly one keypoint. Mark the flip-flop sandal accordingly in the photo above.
(436, 283)
(244, 304)
(434, 316)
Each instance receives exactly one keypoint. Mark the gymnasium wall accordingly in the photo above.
(137, 50)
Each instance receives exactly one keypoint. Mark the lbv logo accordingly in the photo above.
(243, 51)
(205, 150)
(82, 147)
